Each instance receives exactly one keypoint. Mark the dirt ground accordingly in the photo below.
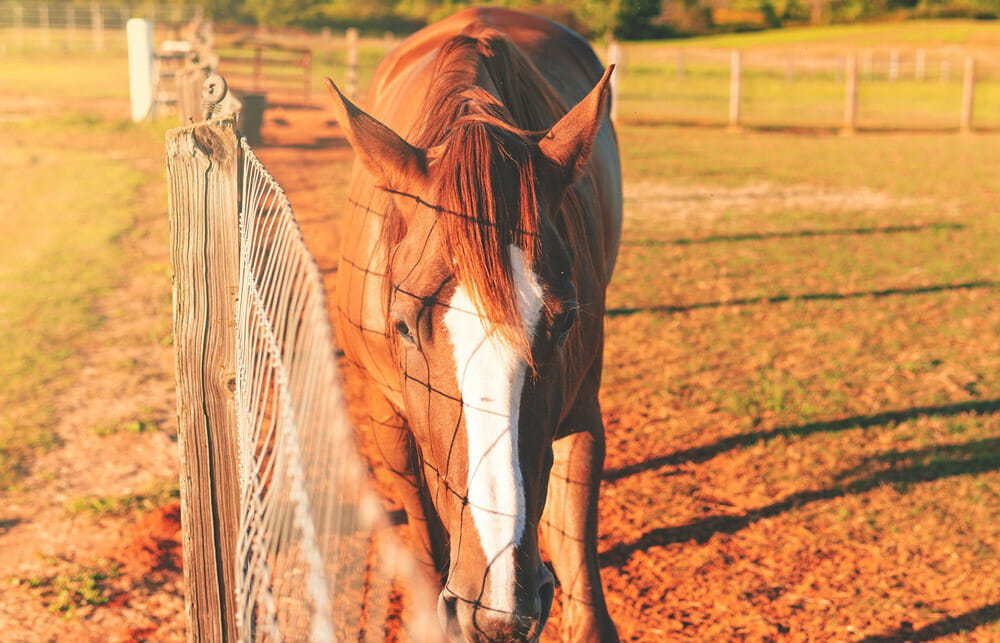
(709, 537)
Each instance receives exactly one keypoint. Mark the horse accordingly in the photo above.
(480, 235)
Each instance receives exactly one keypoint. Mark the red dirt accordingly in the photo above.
(152, 546)
(712, 530)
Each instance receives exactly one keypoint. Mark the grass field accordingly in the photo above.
(794, 77)
(70, 203)
(802, 381)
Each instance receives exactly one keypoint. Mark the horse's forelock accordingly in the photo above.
(486, 198)
(487, 191)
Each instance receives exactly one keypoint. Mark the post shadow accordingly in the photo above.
(822, 296)
(794, 234)
(969, 458)
(949, 625)
(700, 454)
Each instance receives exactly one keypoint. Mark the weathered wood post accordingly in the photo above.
(735, 89)
(202, 170)
(968, 95)
(920, 65)
(850, 96)
(614, 58)
(352, 64)
(894, 65)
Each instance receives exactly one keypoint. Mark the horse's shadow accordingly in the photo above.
(948, 625)
(899, 467)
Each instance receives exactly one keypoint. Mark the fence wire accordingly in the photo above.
(317, 557)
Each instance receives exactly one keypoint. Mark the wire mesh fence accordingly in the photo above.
(319, 560)
(315, 556)
(27, 27)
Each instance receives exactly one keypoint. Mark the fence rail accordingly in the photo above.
(284, 537)
(932, 89)
(98, 27)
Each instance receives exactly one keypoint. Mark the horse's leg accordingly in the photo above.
(395, 445)
(569, 525)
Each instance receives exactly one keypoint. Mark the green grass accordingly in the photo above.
(64, 593)
(153, 496)
(63, 75)
(794, 77)
(924, 33)
(71, 186)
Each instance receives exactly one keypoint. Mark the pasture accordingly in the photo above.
(801, 383)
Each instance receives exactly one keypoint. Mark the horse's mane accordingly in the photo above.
(481, 142)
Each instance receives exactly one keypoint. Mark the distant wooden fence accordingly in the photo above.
(72, 26)
(279, 69)
(284, 538)
(740, 88)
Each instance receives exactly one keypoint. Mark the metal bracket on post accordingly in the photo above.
(217, 100)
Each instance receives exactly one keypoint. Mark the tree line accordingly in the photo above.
(627, 19)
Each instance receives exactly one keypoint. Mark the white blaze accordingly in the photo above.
(490, 375)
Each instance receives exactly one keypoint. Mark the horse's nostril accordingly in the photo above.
(448, 615)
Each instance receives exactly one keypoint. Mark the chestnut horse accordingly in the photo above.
(481, 233)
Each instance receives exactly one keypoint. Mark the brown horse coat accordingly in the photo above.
(545, 240)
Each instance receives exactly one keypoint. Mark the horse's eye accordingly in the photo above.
(404, 332)
(566, 323)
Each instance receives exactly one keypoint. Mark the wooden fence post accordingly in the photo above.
(139, 34)
(352, 64)
(202, 170)
(850, 96)
(70, 17)
(614, 58)
(258, 63)
(968, 95)
(735, 89)
(920, 65)
(18, 9)
(43, 20)
(893, 65)
(307, 76)
(325, 46)
(97, 26)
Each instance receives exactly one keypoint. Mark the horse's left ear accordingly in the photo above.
(393, 161)
(567, 145)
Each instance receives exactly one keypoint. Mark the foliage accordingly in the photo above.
(65, 593)
(627, 19)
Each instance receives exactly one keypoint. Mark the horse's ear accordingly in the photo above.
(567, 145)
(387, 156)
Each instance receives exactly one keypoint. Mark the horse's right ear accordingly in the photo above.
(393, 161)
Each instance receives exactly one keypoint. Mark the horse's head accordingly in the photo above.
(482, 302)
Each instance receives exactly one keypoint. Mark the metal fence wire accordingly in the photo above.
(317, 557)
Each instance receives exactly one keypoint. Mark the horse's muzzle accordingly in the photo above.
(467, 620)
